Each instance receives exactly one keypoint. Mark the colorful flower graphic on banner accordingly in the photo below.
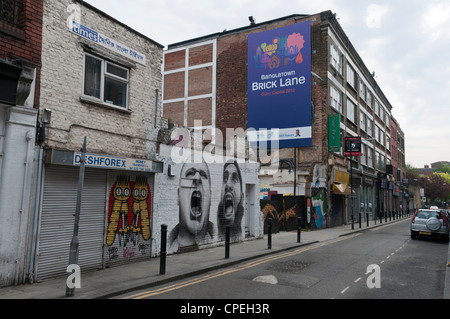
(282, 51)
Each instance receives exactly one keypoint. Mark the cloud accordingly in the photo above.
(375, 13)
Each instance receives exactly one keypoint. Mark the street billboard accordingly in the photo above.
(279, 86)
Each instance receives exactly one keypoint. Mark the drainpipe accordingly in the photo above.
(19, 261)
(34, 220)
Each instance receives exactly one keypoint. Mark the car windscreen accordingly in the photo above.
(429, 214)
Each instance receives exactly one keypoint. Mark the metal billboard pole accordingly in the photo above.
(74, 244)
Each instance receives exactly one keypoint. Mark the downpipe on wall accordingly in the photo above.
(20, 261)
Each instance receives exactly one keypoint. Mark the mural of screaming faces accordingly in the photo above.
(194, 201)
(231, 209)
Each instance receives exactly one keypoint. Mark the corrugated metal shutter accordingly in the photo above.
(125, 249)
(57, 220)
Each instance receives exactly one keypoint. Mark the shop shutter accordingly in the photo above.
(57, 220)
(125, 249)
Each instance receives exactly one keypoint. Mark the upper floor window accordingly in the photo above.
(362, 121)
(362, 90)
(106, 81)
(336, 58)
(369, 98)
(351, 76)
(336, 99)
(9, 11)
(351, 111)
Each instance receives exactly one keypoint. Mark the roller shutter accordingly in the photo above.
(129, 245)
(57, 220)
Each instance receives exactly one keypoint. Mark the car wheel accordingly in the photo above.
(413, 236)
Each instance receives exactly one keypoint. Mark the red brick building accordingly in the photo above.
(205, 79)
(20, 43)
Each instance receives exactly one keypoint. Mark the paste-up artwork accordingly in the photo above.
(129, 212)
(194, 201)
(319, 203)
(231, 208)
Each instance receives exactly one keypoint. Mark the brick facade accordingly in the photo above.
(23, 41)
(130, 132)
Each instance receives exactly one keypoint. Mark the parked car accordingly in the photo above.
(430, 223)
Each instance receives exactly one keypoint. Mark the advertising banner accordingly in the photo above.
(279, 86)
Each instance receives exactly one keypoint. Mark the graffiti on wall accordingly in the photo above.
(231, 208)
(195, 191)
(129, 216)
(319, 204)
(194, 201)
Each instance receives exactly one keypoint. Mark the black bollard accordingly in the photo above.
(269, 234)
(353, 222)
(162, 261)
(227, 242)
(367, 219)
(360, 220)
(299, 229)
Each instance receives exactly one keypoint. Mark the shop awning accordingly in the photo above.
(342, 189)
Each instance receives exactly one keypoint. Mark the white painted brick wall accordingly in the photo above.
(108, 131)
(165, 201)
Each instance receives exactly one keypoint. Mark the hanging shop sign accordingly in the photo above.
(352, 146)
(334, 133)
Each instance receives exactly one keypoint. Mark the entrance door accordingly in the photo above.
(249, 210)
(337, 208)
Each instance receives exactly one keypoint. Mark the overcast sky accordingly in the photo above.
(406, 44)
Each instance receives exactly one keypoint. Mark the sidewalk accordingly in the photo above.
(126, 278)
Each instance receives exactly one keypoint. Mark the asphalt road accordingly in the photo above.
(381, 263)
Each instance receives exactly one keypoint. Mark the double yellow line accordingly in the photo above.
(150, 293)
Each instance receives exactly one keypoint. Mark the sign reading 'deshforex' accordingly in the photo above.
(113, 162)
(279, 86)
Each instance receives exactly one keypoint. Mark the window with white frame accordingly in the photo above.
(362, 121)
(351, 111)
(106, 81)
(381, 137)
(377, 107)
(369, 157)
(336, 99)
(369, 127)
(381, 112)
(362, 90)
(336, 58)
(363, 154)
(388, 143)
(351, 77)
(387, 120)
(369, 98)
